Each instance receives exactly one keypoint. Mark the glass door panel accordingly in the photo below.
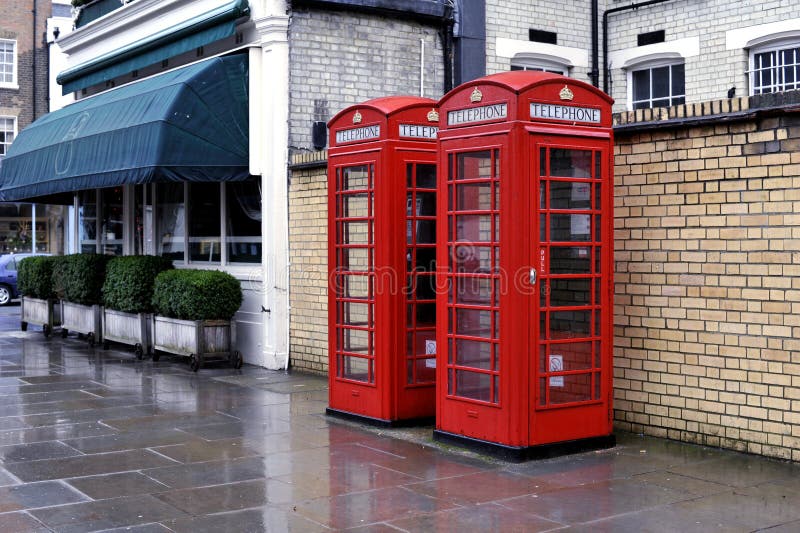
(568, 210)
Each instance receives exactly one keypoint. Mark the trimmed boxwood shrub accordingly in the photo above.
(196, 294)
(35, 276)
(78, 278)
(129, 282)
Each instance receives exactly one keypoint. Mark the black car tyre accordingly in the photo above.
(5, 295)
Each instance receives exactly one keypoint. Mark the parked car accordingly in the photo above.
(8, 276)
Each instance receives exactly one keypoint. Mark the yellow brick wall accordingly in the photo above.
(308, 252)
(707, 305)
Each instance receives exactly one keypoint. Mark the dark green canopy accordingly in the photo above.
(190, 124)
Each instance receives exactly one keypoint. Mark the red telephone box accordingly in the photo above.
(381, 260)
(525, 314)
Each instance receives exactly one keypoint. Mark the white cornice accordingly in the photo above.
(761, 33)
(128, 25)
(677, 49)
(564, 55)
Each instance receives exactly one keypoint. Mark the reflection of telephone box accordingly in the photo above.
(524, 364)
(381, 260)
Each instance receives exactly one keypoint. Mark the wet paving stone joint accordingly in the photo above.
(95, 440)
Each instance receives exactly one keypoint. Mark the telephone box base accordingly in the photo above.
(380, 422)
(519, 454)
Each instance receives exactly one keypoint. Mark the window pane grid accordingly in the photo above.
(661, 86)
(7, 54)
(420, 270)
(776, 70)
(355, 273)
(473, 239)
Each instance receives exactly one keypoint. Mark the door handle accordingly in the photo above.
(533, 276)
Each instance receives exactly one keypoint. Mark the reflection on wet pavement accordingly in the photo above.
(94, 440)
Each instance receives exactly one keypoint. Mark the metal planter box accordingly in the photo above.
(86, 319)
(46, 313)
(128, 328)
(198, 339)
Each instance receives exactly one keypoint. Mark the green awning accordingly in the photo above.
(189, 35)
(190, 124)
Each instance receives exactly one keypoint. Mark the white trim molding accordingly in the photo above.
(14, 83)
(762, 33)
(668, 52)
(562, 55)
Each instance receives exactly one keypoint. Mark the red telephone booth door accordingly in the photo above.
(353, 362)
(571, 226)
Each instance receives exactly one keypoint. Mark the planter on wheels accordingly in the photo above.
(133, 329)
(86, 319)
(46, 313)
(199, 340)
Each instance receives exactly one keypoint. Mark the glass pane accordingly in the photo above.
(570, 195)
(474, 354)
(355, 259)
(354, 286)
(426, 314)
(426, 176)
(470, 259)
(474, 291)
(356, 341)
(571, 388)
(570, 292)
(355, 205)
(354, 314)
(355, 178)
(474, 165)
(204, 222)
(111, 233)
(474, 228)
(474, 322)
(87, 225)
(170, 220)
(660, 82)
(355, 232)
(678, 79)
(570, 260)
(473, 385)
(356, 368)
(569, 356)
(569, 324)
(243, 224)
(474, 196)
(571, 163)
(573, 227)
(641, 85)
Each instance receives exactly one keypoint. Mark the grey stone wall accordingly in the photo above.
(341, 58)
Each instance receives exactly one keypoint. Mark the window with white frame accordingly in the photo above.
(775, 68)
(539, 65)
(8, 130)
(658, 86)
(8, 63)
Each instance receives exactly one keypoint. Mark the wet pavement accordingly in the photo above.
(94, 440)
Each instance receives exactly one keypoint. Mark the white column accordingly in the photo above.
(269, 141)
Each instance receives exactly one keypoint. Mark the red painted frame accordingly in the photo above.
(396, 137)
(494, 114)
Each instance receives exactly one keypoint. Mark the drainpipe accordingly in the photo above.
(606, 14)
(446, 34)
(33, 78)
(595, 73)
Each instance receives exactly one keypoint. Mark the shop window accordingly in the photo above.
(111, 223)
(658, 86)
(204, 223)
(243, 221)
(171, 221)
(8, 130)
(775, 68)
(87, 224)
(8, 63)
